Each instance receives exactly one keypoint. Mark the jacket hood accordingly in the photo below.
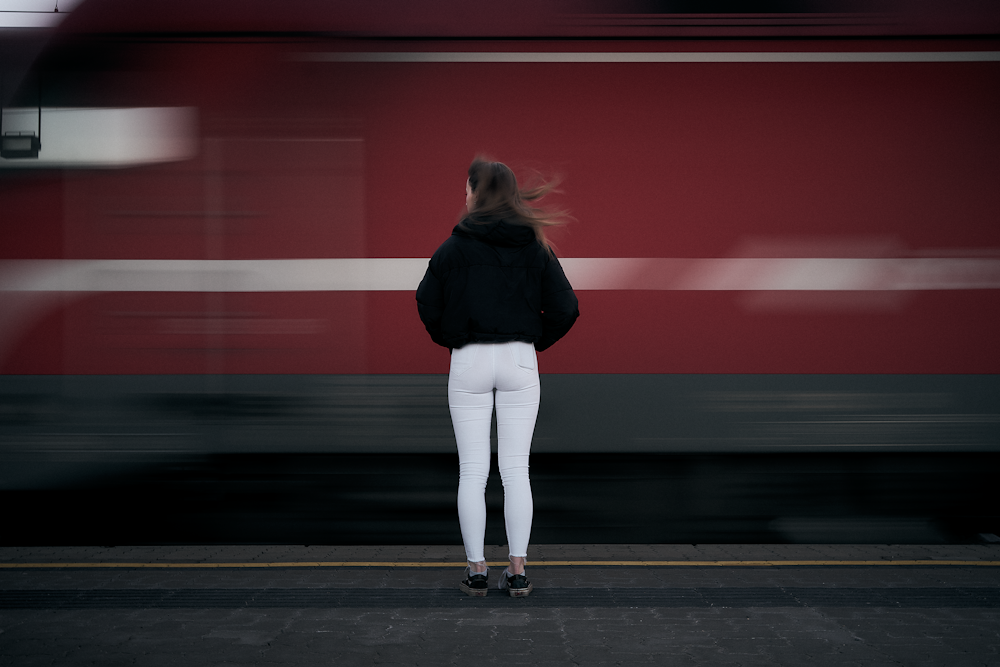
(503, 232)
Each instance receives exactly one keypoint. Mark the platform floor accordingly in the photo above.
(592, 605)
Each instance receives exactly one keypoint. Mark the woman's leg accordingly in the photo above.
(517, 397)
(470, 398)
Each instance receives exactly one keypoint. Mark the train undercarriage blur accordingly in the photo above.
(370, 460)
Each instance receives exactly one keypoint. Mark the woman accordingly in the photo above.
(494, 293)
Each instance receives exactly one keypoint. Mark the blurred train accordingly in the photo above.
(786, 248)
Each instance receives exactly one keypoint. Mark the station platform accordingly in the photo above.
(592, 605)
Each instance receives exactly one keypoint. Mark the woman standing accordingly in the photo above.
(494, 294)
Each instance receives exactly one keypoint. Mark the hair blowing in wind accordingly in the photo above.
(497, 195)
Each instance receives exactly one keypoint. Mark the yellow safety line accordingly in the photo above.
(534, 563)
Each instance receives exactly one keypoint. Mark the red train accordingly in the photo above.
(779, 245)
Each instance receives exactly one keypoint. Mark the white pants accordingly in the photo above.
(476, 370)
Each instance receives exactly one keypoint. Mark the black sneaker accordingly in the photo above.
(476, 583)
(516, 585)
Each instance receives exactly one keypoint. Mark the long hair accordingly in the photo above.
(498, 196)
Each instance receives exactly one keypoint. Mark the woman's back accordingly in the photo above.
(494, 282)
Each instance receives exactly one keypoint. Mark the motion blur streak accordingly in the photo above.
(650, 57)
(106, 137)
(235, 275)
(805, 274)
(586, 273)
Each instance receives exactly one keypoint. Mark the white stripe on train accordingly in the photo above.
(585, 273)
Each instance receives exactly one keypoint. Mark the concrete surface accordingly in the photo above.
(593, 605)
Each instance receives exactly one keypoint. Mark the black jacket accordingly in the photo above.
(493, 282)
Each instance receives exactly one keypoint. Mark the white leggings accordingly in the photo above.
(476, 370)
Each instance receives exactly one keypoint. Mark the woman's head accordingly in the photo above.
(492, 192)
(493, 185)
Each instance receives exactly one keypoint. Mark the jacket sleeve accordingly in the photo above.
(430, 305)
(560, 307)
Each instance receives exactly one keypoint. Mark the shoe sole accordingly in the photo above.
(520, 592)
(474, 592)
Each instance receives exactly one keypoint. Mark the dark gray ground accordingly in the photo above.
(886, 614)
